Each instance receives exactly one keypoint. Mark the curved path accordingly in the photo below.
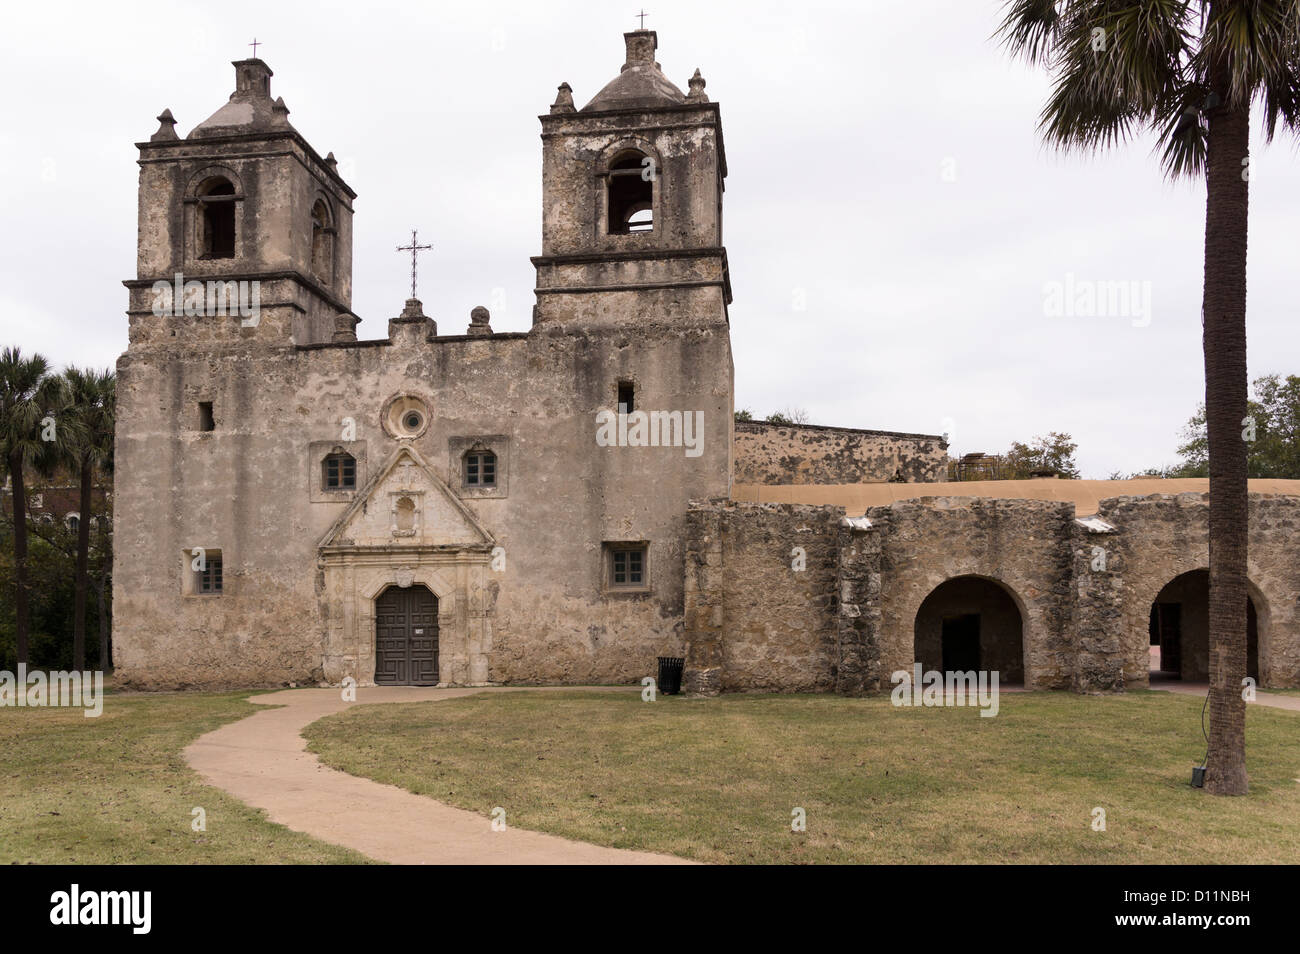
(263, 761)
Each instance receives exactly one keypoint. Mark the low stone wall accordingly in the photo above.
(808, 454)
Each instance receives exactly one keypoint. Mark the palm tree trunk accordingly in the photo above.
(83, 559)
(105, 638)
(104, 596)
(1224, 317)
(21, 614)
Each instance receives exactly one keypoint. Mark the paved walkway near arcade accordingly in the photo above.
(263, 761)
(1273, 700)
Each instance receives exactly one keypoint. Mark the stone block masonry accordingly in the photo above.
(1053, 601)
(809, 454)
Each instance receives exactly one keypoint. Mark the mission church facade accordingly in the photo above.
(298, 504)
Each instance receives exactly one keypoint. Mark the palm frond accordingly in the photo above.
(1029, 28)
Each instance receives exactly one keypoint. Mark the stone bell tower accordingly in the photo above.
(632, 202)
(247, 224)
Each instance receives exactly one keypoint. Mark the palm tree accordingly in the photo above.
(1187, 70)
(27, 393)
(85, 446)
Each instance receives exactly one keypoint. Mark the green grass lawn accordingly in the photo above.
(718, 779)
(115, 789)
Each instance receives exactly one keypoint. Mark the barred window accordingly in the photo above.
(480, 469)
(340, 472)
(210, 576)
(627, 566)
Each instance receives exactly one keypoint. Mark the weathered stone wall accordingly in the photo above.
(1162, 536)
(1021, 545)
(1078, 592)
(245, 488)
(807, 454)
(770, 573)
(523, 587)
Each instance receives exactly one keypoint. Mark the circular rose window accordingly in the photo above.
(406, 417)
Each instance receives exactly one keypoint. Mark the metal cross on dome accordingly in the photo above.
(415, 249)
(642, 16)
(255, 44)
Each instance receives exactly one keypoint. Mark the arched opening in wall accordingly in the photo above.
(631, 194)
(322, 254)
(406, 637)
(217, 218)
(1179, 630)
(971, 623)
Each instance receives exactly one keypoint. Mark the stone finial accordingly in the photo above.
(412, 311)
(166, 128)
(280, 112)
(252, 79)
(697, 84)
(563, 100)
(479, 321)
(332, 163)
(641, 46)
(412, 324)
(345, 327)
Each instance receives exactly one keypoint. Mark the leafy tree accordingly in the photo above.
(1055, 452)
(1275, 451)
(791, 415)
(1188, 70)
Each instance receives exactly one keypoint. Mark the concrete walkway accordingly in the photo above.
(263, 761)
(1271, 699)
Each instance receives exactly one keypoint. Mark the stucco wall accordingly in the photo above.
(246, 488)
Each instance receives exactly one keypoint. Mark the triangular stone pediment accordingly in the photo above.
(406, 504)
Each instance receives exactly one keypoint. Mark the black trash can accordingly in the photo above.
(670, 674)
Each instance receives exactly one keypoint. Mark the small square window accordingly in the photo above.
(340, 472)
(481, 469)
(627, 566)
(204, 574)
(206, 420)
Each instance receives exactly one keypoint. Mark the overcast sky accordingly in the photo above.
(893, 221)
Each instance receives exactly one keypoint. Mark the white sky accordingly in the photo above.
(924, 298)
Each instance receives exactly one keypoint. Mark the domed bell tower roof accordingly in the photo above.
(250, 108)
(641, 83)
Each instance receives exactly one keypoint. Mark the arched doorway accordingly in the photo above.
(1179, 630)
(406, 637)
(971, 623)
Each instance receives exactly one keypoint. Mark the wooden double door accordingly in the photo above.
(406, 637)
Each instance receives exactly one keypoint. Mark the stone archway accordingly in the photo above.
(1178, 629)
(971, 623)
